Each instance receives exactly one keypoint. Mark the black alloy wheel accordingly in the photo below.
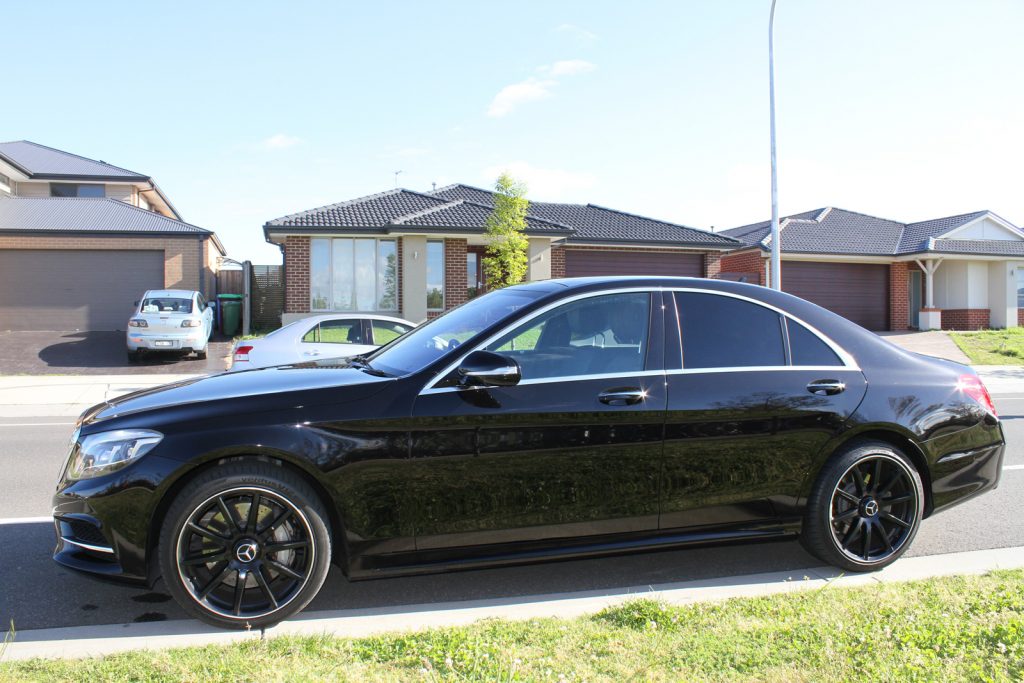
(247, 547)
(865, 509)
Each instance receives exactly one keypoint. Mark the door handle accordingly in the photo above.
(622, 396)
(826, 387)
(311, 353)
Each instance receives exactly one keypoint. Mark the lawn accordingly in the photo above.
(947, 629)
(992, 347)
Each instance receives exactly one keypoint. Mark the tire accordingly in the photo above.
(865, 508)
(134, 356)
(278, 583)
(201, 355)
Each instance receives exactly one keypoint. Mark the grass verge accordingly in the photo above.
(992, 347)
(954, 628)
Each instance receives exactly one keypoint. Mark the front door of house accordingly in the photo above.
(914, 297)
(475, 271)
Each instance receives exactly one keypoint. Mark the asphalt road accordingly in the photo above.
(39, 594)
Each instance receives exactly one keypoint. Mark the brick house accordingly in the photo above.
(80, 240)
(962, 272)
(417, 254)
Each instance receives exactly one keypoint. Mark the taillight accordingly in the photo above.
(242, 352)
(975, 388)
(191, 322)
(137, 322)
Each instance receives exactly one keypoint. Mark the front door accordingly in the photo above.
(755, 397)
(573, 450)
(475, 271)
(914, 297)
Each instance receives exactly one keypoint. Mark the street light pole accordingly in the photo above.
(776, 274)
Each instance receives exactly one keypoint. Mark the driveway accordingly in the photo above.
(930, 343)
(94, 353)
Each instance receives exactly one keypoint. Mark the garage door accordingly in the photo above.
(584, 262)
(856, 291)
(74, 290)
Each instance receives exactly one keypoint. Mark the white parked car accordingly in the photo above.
(176, 320)
(335, 335)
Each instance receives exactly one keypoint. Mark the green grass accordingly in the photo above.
(992, 347)
(948, 629)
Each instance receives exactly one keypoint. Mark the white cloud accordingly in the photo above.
(533, 89)
(543, 183)
(568, 67)
(578, 32)
(281, 141)
(511, 96)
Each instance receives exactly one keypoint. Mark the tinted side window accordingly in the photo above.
(385, 331)
(341, 332)
(597, 335)
(807, 349)
(723, 332)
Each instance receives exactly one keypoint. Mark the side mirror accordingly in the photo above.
(211, 304)
(488, 369)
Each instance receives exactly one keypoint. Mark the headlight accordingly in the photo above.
(106, 452)
(136, 322)
(191, 323)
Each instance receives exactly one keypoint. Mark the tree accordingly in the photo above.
(506, 261)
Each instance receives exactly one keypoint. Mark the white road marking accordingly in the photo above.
(36, 424)
(25, 520)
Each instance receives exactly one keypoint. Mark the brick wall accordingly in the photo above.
(745, 262)
(712, 264)
(183, 256)
(557, 262)
(965, 318)
(1020, 317)
(454, 273)
(296, 270)
(899, 299)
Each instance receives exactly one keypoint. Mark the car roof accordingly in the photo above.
(359, 316)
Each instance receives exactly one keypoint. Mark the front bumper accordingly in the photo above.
(104, 526)
(166, 342)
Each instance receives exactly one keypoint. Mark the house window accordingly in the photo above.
(474, 272)
(435, 275)
(347, 274)
(1019, 273)
(5, 184)
(76, 190)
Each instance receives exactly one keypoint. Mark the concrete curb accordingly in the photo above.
(89, 641)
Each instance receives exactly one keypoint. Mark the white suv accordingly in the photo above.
(170, 320)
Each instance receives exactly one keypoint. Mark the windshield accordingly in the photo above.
(430, 341)
(166, 304)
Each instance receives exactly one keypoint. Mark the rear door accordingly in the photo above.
(336, 338)
(753, 395)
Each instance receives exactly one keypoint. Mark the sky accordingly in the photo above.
(246, 111)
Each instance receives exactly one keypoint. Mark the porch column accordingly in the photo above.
(414, 278)
(1002, 294)
(931, 317)
(539, 254)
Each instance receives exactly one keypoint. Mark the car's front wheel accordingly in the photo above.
(245, 545)
(865, 508)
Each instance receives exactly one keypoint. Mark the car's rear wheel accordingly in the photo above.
(245, 546)
(201, 355)
(134, 356)
(865, 508)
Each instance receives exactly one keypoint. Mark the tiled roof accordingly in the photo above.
(592, 223)
(80, 214)
(466, 214)
(838, 231)
(42, 162)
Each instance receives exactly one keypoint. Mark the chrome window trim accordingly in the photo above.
(848, 361)
(432, 389)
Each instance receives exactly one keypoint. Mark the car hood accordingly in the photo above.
(266, 383)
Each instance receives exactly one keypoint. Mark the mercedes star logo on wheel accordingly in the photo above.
(246, 552)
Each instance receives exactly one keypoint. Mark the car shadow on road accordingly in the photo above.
(39, 594)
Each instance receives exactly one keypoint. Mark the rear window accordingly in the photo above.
(723, 332)
(166, 305)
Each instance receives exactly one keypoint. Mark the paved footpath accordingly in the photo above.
(91, 641)
(68, 395)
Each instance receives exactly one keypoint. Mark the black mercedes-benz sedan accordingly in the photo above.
(555, 419)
